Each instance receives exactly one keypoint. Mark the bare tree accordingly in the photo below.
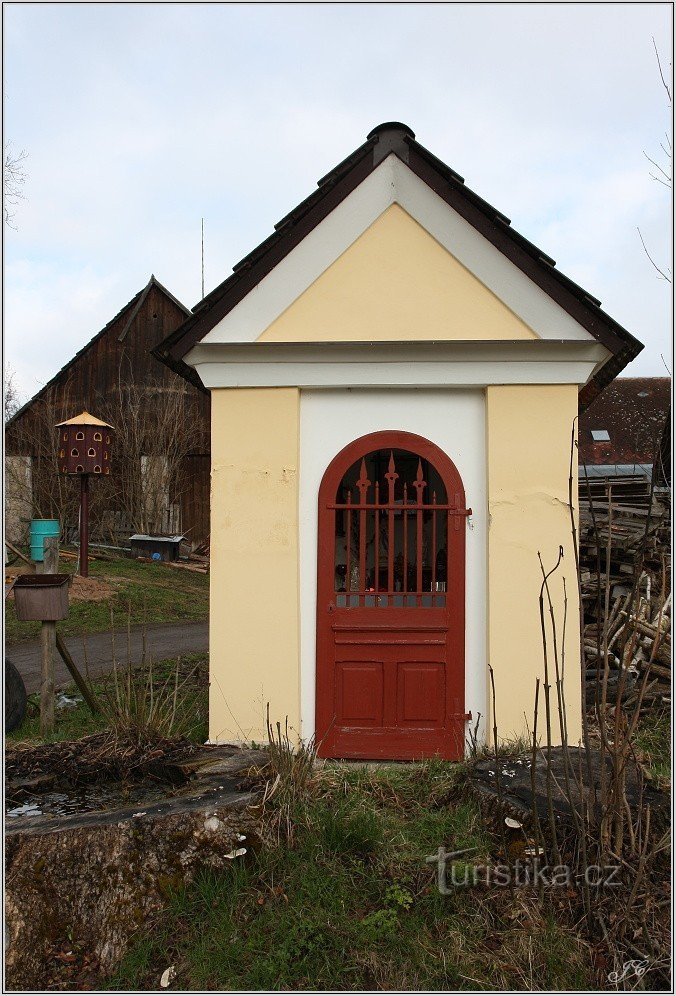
(661, 173)
(32, 465)
(156, 425)
(11, 397)
(14, 179)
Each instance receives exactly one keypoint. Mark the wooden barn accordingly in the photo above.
(159, 480)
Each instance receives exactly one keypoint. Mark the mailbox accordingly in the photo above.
(41, 597)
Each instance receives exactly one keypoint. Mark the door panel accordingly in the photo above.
(359, 692)
(421, 692)
(390, 609)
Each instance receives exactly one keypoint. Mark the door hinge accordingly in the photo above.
(459, 513)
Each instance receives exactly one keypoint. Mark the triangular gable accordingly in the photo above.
(129, 312)
(244, 294)
(396, 282)
(393, 183)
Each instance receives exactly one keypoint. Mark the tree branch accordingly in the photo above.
(659, 66)
(662, 274)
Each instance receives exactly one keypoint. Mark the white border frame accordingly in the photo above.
(453, 419)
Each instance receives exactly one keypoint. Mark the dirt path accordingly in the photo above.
(164, 640)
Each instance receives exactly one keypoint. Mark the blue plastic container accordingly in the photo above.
(39, 529)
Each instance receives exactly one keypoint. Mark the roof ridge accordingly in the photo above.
(135, 303)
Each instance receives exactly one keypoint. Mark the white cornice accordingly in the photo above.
(396, 364)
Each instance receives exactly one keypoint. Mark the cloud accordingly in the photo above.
(43, 331)
(140, 120)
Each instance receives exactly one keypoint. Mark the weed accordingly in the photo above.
(145, 703)
(290, 767)
(346, 829)
(653, 741)
(349, 903)
(77, 722)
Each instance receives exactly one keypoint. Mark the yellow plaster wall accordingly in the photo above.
(254, 610)
(528, 450)
(396, 282)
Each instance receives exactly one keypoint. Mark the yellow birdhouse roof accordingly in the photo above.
(85, 418)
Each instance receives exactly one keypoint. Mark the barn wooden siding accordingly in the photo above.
(120, 352)
(195, 493)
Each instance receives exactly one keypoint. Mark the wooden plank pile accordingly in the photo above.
(199, 558)
(626, 549)
(191, 566)
(178, 565)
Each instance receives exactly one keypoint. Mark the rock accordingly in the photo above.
(15, 698)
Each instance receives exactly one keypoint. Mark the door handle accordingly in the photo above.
(331, 607)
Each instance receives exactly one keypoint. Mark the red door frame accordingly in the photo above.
(424, 626)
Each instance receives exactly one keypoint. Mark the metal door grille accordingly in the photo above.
(391, 536)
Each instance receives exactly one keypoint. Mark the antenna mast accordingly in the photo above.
(202, 258)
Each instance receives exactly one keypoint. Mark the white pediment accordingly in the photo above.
(393, 183)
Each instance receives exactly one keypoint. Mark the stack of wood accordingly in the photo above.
(639, 536)
(199, 558)
(68, 555)
(628, 490)
(625, 551)
(195, 564)
(203, 549)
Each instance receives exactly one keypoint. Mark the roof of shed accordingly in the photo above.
(335, 186)
(633, 410)
(133, 307)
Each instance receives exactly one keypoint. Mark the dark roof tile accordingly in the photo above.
(633, 410)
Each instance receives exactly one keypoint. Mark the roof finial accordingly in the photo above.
(397, 126)
(391, 136)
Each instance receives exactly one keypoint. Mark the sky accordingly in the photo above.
(139, 120)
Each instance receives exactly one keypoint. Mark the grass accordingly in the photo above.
(149, 592)
(653, 740)
(77, 721)
(349, 902)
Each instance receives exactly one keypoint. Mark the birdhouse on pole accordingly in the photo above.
(85, 446)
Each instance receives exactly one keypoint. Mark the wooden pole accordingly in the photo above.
(50, 565)
(84, 525)
(51, 555)
(48, 643)
(84, 688)
(18, 553)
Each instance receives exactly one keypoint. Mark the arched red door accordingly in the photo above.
(391, 602)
